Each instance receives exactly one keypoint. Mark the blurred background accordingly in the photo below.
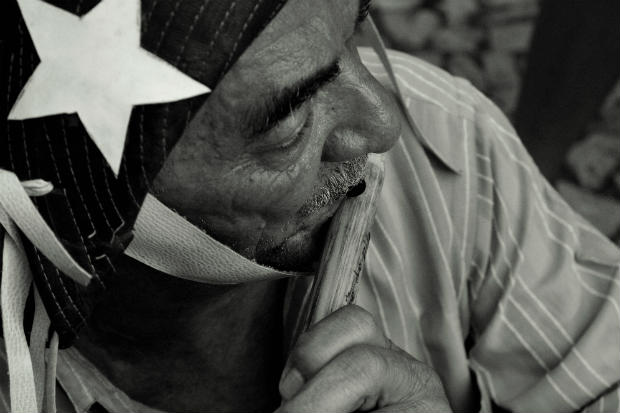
(552, 66)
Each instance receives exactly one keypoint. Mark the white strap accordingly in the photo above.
(15, 206)
(14, 287)
(38, 339)
(17, 212)
(50, 375)
(166, 241)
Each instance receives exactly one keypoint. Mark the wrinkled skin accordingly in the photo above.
(181, 346)
(345, 363)
(249, 192)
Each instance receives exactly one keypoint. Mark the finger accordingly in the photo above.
(368, 377)
(349, 326)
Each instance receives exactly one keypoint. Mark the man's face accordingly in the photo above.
(271, 154)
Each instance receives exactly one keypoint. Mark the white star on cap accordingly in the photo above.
(94, 66)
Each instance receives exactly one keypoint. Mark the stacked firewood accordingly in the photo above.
(594, 162)
(484, 41)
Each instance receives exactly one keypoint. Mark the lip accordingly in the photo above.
(328, 210)
(314, 227)
(320, 217)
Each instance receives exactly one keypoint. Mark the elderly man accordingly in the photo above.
(481, 290)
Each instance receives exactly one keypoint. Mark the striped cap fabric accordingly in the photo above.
(91, 211)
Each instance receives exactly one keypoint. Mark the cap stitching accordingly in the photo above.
(109, 191)
(51, 291)
(71, 213)
(243, 30)
(276, 10)
(141, 147)
(149, 14)
(163, 131)
(190, 31)
(64, 289)
(188, 118)
(21, 80)
(92, 181)
(109, 262)
(164, 128)
(28, 170)
(218, 32)
(73, 177)
(8, 124)
(130, 191)
(171, 17)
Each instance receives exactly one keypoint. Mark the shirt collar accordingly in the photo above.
(441, 146)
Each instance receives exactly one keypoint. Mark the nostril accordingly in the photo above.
(357, 189)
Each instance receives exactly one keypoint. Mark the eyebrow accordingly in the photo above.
(263, 118)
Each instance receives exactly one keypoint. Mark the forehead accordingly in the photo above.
(304, 36)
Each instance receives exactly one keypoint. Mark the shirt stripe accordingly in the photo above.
(543, 286)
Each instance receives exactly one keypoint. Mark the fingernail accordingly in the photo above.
(291, 382)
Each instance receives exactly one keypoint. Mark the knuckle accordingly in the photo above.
(427, 380)
(362, 321)
(364, 361)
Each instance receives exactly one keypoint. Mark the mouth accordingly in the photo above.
(347, 181)
(302, 250)
(319, 235)
(337, 181)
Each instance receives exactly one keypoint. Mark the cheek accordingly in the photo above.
(239, 197)
(277, 186)
(278, 193)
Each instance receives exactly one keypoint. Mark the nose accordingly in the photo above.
(367, 115)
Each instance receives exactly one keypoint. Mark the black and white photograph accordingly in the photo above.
(309, 206)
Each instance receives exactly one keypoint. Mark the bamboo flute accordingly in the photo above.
(335, 284)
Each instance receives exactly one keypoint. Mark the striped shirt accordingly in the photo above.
(472, 245)
(476, 266)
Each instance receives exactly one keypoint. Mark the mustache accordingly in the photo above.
(335, 184)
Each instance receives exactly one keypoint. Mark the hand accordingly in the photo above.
(345, 363)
